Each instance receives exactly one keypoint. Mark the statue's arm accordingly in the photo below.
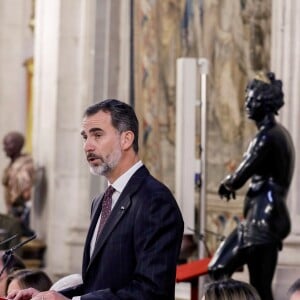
(253, 160)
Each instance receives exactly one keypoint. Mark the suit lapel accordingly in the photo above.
(94, 218)
(121, 208)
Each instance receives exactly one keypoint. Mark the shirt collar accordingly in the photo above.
(121, 182)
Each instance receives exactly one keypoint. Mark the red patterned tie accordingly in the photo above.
(106, 207)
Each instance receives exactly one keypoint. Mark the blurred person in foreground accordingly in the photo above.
(8, 264)
(269, 164)
(230, 289)
(294, 290)
(26, 278)
(134, 254)
(18, 180)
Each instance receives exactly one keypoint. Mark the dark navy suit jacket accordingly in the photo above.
(135, 257)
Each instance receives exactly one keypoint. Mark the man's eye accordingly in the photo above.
(84, 137)
(97, 135)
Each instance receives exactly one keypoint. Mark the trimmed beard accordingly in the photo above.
(108, 164)
(96, 170)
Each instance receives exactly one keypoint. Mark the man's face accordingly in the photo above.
(295, 296)
(102, 143)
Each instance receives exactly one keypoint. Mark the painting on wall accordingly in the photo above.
(235, 38)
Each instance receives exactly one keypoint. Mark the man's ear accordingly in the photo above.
(127, 138)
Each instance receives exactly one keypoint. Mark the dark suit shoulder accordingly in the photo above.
(155, 193)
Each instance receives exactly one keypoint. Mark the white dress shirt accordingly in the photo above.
(119, 186)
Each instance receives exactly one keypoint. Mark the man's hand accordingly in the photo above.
(49, 295)
(25, 294)
(225, 192)
(33, 294)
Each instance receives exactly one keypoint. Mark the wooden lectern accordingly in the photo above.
(190, 272)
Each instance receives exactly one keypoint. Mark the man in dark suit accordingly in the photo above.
(135, 254)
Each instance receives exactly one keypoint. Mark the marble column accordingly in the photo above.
(80, 58)
(285, 61)
(16, 47)
(64, 70)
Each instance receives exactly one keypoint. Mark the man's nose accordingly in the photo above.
(88, 145)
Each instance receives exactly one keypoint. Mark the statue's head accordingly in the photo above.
(13, 143)
(264, 96)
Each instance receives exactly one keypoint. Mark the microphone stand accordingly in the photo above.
(9, 253)
(5, 263)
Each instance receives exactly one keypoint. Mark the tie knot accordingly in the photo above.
(109, 191)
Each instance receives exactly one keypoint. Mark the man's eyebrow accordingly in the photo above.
(94, 129)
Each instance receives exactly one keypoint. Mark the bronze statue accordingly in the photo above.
(269, 164)
(18, 179)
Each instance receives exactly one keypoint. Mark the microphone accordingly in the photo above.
(11, 250)
(9, 253)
